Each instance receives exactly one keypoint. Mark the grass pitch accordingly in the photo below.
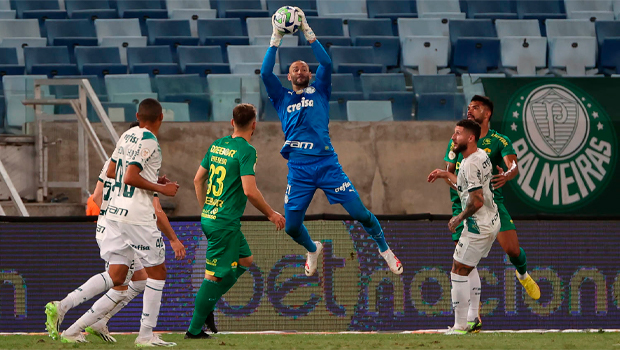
(546, 341)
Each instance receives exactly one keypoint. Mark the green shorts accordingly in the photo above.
(504, 218)
(225, 249)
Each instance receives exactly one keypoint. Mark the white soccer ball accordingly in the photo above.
(287, 20)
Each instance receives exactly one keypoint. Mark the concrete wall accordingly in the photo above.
(388, 162)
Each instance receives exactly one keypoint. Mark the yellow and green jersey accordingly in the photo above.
(496, 147)
(227, 160)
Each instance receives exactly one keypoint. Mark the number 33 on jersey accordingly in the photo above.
(227, 160)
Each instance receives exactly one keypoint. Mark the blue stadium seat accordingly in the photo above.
(221, 32)
(260, 30)
(378, 34)
(9, 65)
(153, 60)
(541, 10)
(50, 61)
(130, 88)
(524, 54)
(71, 33)
(189, 89)
(393, 10)
(202, 60)
(402, 103)
(247, 59)
(327, 30)
(42, 10)
(72, 92)
(608, 36)
(389, 87)
(426, 54)
(141, 9)
(369, 111)
(472, 84)
(423, 27)
(111, 28)
(338, 103)
(6, 13)
(599, 10)
(342, 9)
(572, 46)
(570, 27)
(225, 91)
(345, 82)
(172, 32)
(308, 6)
(192, 10)
(90, 9)
(16, 89)
(288, 55)
(20, 43)
(423, 84)
(493, 9)
(439, 106)
(369, 27)
(241, 9)
(20, 33)
(356, 60)
(99, 61)
(475, 47)
(517, 27)
(440, 9)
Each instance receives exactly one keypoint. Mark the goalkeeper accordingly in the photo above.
(312, 162)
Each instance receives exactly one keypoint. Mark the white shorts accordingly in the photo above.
(472, 247)
(124, 242)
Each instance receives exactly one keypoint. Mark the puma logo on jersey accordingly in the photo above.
(298, 106)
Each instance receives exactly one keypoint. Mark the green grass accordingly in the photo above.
(511, 341)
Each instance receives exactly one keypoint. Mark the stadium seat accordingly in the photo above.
(111, 28)
(423, 27)
(20, 43)
(440, 9)
(72, 92)
(356, 60)
(608, 36)
(120, 112)
(345, 82)
(378, 34)
(71, 33)
(439, 106)
(9, 65)
(338, 103)
(20, 33)
(241, 9)
(616, 8)
(369, 111)
(392, 10)
(42, 10)
(192, 10)
(128, 87)
(6, 13)
(142, 10)
(259, 32)
(221, 32)
(189, 89)
(389, 87)
(308, 6)
(153, 60)
(475, 47)
(341, 9)
(426, 54)
(99, 61)
(50, 61)
(288, 55)
(598, 10)
(247, 59)
(472, 84)
(523, 55)
(179, 112)
(202, 60)
(541, 10)
(171, 32)
(369, 27)
(572, 46)
(16, 89)
(225, 91)
(519, 27)
(90, 9)
(327, 30)
(493, 9)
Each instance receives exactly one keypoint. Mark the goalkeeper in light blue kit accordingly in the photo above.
(312, 162)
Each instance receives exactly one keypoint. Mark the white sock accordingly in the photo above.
(135, 288)
(106, 303)
(460, 300)
(97, 284)
(520, 276)
(474, 295)
(151, 305)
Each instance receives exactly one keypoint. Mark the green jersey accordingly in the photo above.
(496, 146)
(227, 160)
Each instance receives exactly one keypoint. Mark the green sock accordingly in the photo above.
(231, 278)
(520, 262)
(208, 295)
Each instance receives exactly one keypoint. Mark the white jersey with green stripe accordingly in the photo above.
(475, 173)
(128, 204)
(105, 198)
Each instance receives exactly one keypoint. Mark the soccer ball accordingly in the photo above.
(287, 20)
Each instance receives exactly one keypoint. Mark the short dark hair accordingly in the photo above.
(149, 110)
(471, 126)
(244, 114)
(485, 101)
(134, 124)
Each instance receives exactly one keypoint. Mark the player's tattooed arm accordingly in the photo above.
(474, 203)
(502, 177)
(199, 185)
(163, 224)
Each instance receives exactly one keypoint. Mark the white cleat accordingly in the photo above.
(79, 338)
(392, 261)
(153, 341)
(455, 331)
(311, 261)
(102, 332)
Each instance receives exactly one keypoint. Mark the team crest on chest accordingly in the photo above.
(310, 90)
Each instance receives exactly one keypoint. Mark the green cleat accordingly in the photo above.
(54, 319)
(71, 339)
(454, 331)
(475, 326)
(103, 333)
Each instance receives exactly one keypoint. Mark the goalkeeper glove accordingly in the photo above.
(308, 32)
(276, 36)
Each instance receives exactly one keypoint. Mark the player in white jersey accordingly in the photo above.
(479, 213)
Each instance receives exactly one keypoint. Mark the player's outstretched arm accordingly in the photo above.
(324, 72)
(256, 198)
(272, 83)
(163, 224)
(474, 203)
(199, 184)
(441, 174)
(133, 178)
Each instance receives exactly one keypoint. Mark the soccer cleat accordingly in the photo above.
(475, 326)
(79, 338)
(210, 323)
(395, 265)
(311, 261)
(54, 319)
(102, 333)
(153, 341)
(201, 335)
(454, 331)
(531, 287)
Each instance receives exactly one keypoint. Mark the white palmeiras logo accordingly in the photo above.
(565, 142)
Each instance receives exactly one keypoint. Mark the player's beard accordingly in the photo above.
(477, 120)
(302, 81)
(458, 148)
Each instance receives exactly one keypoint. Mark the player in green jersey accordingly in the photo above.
(504, 160)
(229, 167)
